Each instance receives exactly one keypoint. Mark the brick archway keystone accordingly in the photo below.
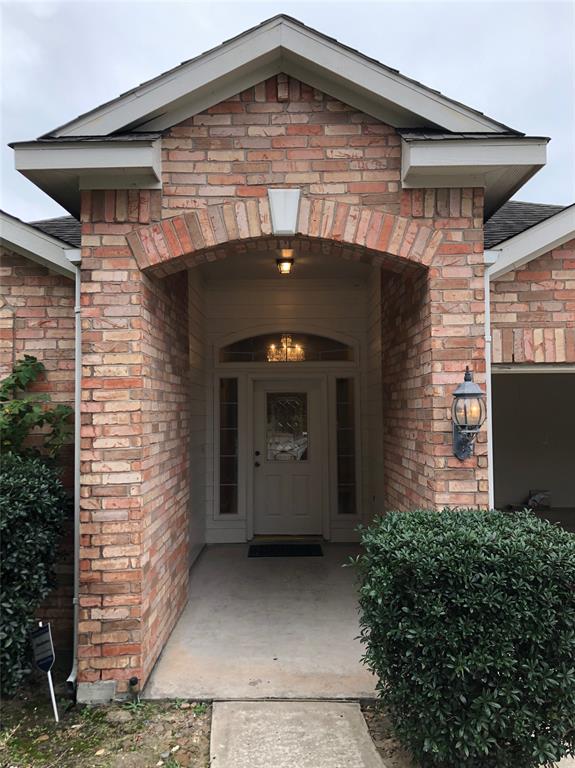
(184, 240)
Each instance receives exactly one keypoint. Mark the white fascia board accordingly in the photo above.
(157, 95)
(345, 64)
(501, 165)
(422, 160)
(252, 57)
(38, 246)
(535, 241)
(123, 158)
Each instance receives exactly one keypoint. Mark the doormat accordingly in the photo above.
(286, 549)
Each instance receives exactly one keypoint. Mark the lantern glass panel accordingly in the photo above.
(474, 411)
(468, 411)
(459, 411)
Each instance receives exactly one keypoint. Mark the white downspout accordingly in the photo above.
(489, 257)
(77, 427)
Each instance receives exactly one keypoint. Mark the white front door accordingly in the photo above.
(289, 457)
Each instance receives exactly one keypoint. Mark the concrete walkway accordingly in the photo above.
(280, 734)
(266, 628)
(294, 734)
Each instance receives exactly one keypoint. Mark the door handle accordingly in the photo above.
(256, 464)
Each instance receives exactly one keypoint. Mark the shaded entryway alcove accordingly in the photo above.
(533, 426)
(288, 627)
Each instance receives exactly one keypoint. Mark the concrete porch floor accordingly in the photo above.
(255, 628)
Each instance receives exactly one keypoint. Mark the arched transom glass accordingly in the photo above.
(286, 347)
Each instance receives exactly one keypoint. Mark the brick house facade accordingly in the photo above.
(37, 318)
(146, 329)
(532, 310)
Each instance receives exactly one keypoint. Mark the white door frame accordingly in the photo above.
(288, 377)
(247, 376)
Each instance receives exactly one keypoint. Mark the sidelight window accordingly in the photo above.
(228, 446)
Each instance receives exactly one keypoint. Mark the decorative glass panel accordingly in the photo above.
(345, 430)
(286, 347)
(228, 446)
(286, 432)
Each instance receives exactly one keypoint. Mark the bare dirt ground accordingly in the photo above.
(173, 734)
(394, 756)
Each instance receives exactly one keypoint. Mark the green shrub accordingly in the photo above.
(33, 505)
(22, 415)
(469, 623)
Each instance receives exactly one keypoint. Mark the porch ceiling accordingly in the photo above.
(259, 262)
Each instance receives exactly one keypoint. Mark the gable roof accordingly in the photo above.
(533, 240)
(280, 44)
(514, 217)
(444, 143)
(42, 247)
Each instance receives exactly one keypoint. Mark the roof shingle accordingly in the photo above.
(515, 217)
(65, 228)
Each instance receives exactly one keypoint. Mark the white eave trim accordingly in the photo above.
(87, 158)
(501, 165)
(62, 169)
(493, 152)
(39, 247)
(528, 245)
(279, 45)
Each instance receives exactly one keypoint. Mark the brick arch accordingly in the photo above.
(358, 232)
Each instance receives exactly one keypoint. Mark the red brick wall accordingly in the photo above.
(37, 318)
(135, 476)
(533, 310)
(405, 376)
(431, 329)
(281, 133)
(165, 466)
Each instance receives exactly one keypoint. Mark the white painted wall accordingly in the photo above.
(533, 431)
(198, 405)
(332, 307)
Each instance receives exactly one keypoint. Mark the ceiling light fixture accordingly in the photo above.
(286, 261)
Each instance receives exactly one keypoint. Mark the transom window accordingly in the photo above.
(286, 347)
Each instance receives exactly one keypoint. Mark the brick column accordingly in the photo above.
(134, 447)
(432, 327)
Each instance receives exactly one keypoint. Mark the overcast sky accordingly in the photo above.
(515, 61)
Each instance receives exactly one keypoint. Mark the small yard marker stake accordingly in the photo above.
(44, 657)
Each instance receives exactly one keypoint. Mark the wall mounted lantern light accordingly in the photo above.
(468, 414)
(286, 261)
